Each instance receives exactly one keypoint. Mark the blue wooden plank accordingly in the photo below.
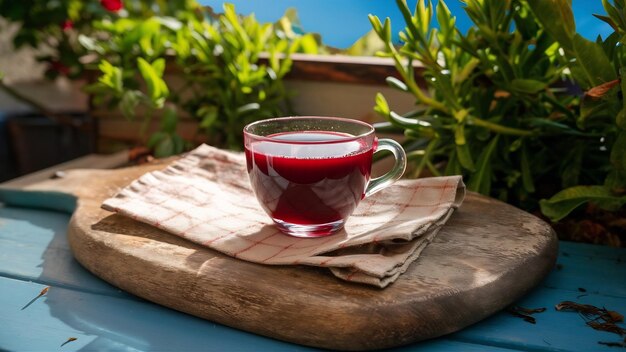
(595, 273)
(554, 330)
(33, 246)
(596, 269)
(48, 200)
(444, 345)
(567, 249)
(111, 323)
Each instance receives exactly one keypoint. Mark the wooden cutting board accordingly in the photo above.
(488, 255)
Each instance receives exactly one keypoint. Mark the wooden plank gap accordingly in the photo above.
(53, 283)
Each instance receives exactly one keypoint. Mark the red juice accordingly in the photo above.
(308, 184)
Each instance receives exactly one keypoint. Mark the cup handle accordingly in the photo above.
(396, 171)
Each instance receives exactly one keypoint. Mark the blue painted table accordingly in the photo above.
(34, 254)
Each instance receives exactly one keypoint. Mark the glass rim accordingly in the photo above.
(371, 130)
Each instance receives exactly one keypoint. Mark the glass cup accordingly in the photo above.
(310, 173)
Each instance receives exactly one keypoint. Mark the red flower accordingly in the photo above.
(67, 24)
(59, 67)
(112, 5)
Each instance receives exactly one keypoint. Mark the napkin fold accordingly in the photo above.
(205, 197)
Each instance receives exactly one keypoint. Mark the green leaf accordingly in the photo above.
(528, 86)
(165, 147)
(607, 20)
(516, 144)
(615, 16)
(169, 120)
(572, 165)
(443, 84)
(387, 29)
(592, 66)
(377, 25)
(156, 139)
(308, 44)
(387, 127)
(208, 116)
(527, 177)
(148, 31)
(182, 45)
(564, 202)
(408, 18)
(367, 45)
(480, 180)
(467, 69)
(74, 9)
(616, 181)
(592, 108)
(465, 157)
(546, 125)
(159, 66)
(178, 144)
(557, 18)
(445, 20)
(90, 44)
(157, 89)
(382, 107)
(128, 103)
(460, 115)
(111, 76)
(423, 15)
(423, 128)
(620, 119)
(453, 167)
(170, 22)
(396, 83)
(248, 108)
(459, 134)
(618, 152)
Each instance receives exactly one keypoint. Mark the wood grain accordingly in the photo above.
(489, 255)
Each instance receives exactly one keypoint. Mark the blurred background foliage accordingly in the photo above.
(229, 68)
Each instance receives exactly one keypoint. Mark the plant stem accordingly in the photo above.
(416, 90)
(410, 82)
(432, 168)
(499, 128)
(146, 123)
(425, 158)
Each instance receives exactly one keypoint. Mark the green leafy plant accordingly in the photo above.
(600, 69)
(496, 104)
(230, 71)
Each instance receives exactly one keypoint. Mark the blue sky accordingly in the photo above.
(341, 22)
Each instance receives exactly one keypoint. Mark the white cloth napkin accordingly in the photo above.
(205, 197)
